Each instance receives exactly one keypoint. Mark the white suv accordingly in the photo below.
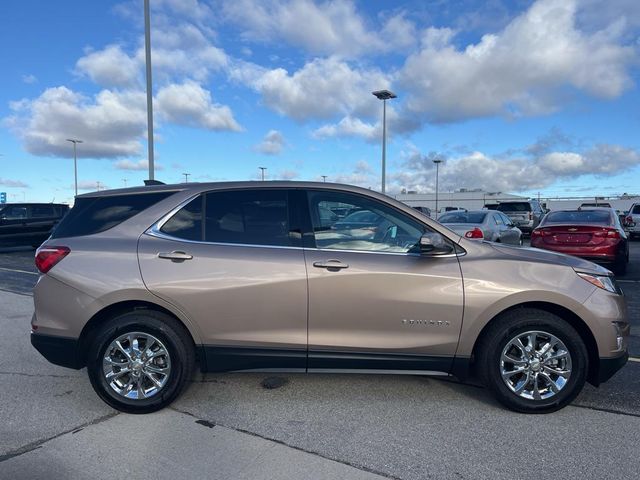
(632, 222)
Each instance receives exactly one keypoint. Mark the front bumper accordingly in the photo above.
(607, 367)
(58, 350)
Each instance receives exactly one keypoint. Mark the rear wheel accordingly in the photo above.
(533, 361)
(141, 361)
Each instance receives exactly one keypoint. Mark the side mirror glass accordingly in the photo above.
(432, 243)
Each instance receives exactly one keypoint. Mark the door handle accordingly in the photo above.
(175, 256)
(331, 265)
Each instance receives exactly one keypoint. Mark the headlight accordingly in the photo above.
(601, 281)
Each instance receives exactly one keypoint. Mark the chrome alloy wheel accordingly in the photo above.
(535, 365)
(136, 365)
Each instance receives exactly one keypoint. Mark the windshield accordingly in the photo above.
(463, 217)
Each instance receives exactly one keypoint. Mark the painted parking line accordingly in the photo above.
(18, 271)
(634, 359)
(627, 281)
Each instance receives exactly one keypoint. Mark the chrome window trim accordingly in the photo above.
(155, 231)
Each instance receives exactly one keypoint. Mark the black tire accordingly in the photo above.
(174, 337)
(620, 267)
(519, 321)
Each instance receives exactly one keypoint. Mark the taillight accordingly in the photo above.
(475, 233)
(607, 233)
(47, 257)
(536, 233)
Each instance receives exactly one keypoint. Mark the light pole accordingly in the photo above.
(262, 171)
(98, 185)
(437, 161)
(186, 177)
(147, 57)
(75, 141)
(324, 178)
(125, 182)
(384, 95)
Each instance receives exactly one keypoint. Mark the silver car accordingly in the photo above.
(489, 225)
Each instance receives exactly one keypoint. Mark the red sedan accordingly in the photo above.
(591, 233)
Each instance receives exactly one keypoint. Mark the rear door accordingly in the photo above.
(374, 301)
(232, 261)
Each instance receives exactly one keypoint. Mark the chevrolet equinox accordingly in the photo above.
(140, 284)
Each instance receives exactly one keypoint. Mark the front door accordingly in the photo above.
(374, 302)
(232, 262)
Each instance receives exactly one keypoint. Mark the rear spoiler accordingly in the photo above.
(153, 182)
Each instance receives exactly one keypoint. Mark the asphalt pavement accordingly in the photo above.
(229, 426)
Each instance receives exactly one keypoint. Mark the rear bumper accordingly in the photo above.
(58, 350)
(609, 366)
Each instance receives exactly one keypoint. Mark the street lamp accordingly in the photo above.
(75, 141)
(186, 177)
(147, 58)
(324, 178)
(384, 95)
(437, 161)
(263, 169)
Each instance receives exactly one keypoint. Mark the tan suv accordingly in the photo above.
(140, 284)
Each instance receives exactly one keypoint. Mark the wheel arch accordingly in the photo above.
(565, 314)
(119, 308)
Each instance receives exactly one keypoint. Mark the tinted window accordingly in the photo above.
(463, 217)
(42, 211)
(187, 222)
(92, 215)
(10, 213)
(505, 219)
(636, 210)
(372, 225)
(584, 216)
(514, 207)
(252, 217)
(498, 219)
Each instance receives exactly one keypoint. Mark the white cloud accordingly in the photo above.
(110, 67)
(91, 185)
(29, 79)
(520, 70)
(324, 28)
(288, 174)
(349, 127)
(323, 88)
(191, 105)
(6, 182)
(110, 124)
(478, 170)
(140, 165)
(272, 144)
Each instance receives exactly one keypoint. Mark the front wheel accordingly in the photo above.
(141, 361)
(533, 361)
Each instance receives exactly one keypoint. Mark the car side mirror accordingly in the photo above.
(433, 243)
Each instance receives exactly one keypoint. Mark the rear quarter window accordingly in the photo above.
(636, 210)
(92, 215)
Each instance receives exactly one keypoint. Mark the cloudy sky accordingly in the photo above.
(517, 96)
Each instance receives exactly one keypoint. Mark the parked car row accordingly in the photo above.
(29, 223)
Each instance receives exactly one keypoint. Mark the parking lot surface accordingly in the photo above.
(229, 426)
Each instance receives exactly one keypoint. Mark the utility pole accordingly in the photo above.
(186, 177)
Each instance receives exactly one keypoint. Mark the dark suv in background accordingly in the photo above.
(526, 215)
(29, 223)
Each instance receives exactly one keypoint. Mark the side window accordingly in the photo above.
(498, 219)
(361, 223)
(506, 220)
(250, 217)
(636, 209)
(187, 222)
(12, 213)
(42, 211)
